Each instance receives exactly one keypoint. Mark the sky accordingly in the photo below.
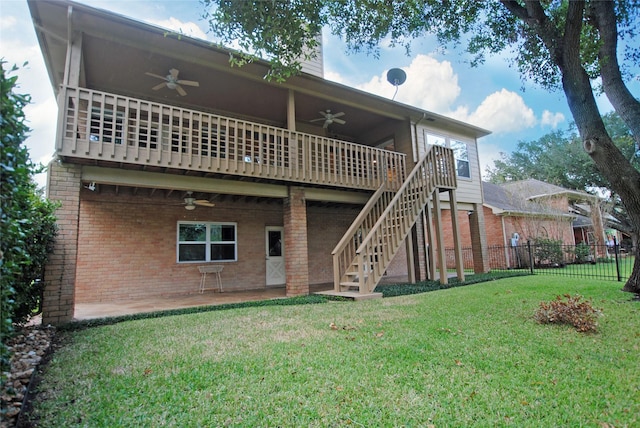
(492, 96)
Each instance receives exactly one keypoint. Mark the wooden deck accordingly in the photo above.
(102, 126)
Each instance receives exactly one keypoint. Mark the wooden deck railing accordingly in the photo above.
(365, 251)
(102, 126)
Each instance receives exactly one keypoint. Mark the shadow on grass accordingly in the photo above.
(393, 290)
(390, 290)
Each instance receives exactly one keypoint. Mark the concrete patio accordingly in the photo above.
(85, 311)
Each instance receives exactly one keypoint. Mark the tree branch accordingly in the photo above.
(516, 10)
(621, 99)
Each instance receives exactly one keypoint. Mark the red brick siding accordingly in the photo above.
(127, 245)
(463, 228)
(296, 247)
(60, 274)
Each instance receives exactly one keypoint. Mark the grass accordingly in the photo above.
(464, 356)
(605, 268)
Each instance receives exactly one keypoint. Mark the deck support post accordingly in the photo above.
(441, 255)
(479, 240)
(295, 243)
(457, 245)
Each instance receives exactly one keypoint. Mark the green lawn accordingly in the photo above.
(466, 356)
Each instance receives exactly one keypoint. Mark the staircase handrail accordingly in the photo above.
(359, 220)
(431, 180)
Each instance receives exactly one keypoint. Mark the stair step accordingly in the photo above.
(350, 284)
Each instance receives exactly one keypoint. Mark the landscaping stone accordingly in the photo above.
(28, 348)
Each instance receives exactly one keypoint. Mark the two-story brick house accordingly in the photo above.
(167, 158)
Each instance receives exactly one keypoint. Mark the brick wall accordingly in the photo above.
(64, 187)
(295, 238)
(127, 244)
(463, 228)
(128, 247)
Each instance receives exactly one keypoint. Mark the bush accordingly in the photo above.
(574, 311)
(548, 251)
(582, 253)
(27, 223)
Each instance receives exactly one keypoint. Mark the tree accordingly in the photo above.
(556, 43)
(27, 223)
(558, 158)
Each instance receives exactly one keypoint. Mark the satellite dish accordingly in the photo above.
(396, 77)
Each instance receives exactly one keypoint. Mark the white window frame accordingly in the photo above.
(447, 143)
(207, 242)
(459, 160)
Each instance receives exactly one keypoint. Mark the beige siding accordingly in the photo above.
(315, 66)
(469, 189)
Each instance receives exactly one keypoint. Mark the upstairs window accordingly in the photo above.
(461, 155)
(460, 151)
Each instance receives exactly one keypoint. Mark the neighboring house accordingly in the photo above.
(167, 159)
(519, 211)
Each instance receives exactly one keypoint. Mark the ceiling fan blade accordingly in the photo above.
(317, 120)
(159, 86)
(204, 203)
(180, 90)
(338, 114)
(324, 113)
(340, 121)
(326, 124)
(188, 82)
(174, 73)
(156, 75)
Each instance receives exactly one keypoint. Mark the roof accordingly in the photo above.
(533, 189)
(507, 200)
(117, 51)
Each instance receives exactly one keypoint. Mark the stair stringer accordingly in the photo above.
(434, 172)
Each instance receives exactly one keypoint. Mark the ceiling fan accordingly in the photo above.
(171, 81)
(190, 202)
(329, 118)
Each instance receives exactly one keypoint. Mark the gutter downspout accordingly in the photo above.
(506, 243)
(415, 132)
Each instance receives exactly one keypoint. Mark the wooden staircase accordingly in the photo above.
(367, 248)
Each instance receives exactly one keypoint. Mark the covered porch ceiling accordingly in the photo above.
(118, 51)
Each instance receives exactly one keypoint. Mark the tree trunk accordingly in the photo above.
(625, 104)
(622, 176)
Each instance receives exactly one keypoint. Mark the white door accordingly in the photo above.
(274, 239)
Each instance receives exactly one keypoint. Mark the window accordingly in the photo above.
(206, 242)
(461, 155)
(460, 151)
(105, 126)
(435, 140)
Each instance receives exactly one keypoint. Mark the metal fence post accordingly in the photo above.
(530, 256)
(615, 251)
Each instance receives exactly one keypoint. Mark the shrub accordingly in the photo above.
(574, 311)
(582, 253)
(27, 223)
(548, 251)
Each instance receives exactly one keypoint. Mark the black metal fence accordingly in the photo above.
(582, 260)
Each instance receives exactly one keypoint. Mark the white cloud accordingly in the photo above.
(8, 22)
(551, 119)
(502, 111)
(433, 85)
(334, 77)
(190, 29)
(488, 153)
(430, 84)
